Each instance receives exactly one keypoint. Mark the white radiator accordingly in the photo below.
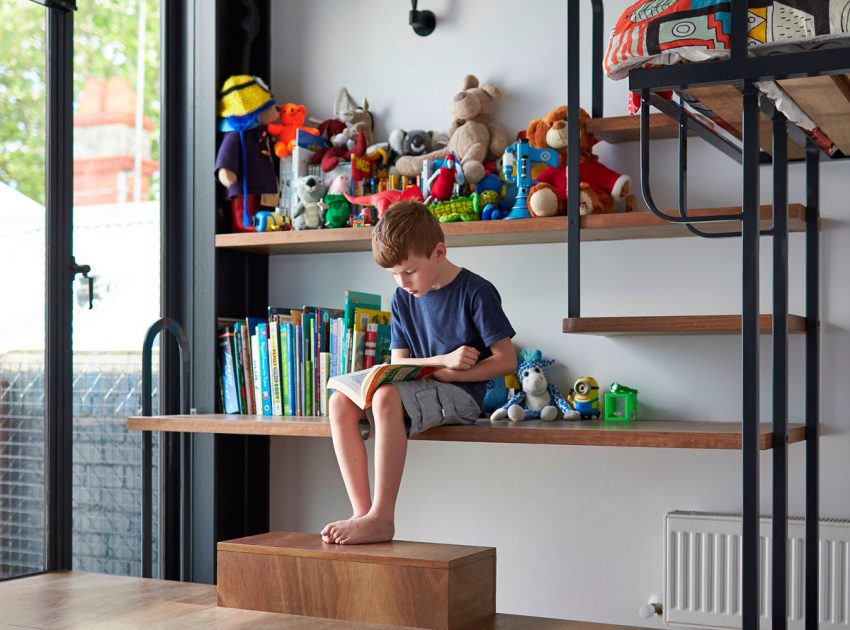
(703, 571)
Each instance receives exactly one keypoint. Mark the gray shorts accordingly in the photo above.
(430, 403)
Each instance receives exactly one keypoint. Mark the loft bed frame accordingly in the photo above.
(736, 76)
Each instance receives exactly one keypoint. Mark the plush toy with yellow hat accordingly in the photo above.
(244, 163)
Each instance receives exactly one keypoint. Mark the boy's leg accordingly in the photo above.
(390, 452)
(350, 452)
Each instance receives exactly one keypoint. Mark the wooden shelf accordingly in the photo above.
(673, 325)
(616, 129)
(594, 227)
(644, 433)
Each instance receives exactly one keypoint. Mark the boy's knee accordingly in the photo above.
(341, 409)
(386, 398)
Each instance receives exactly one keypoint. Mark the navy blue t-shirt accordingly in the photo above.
(465, 312)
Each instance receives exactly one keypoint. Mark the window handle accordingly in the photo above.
(84, 270)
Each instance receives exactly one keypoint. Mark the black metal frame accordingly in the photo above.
(743, 71)
(59, 296)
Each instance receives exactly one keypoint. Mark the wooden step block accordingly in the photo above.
(421, 585)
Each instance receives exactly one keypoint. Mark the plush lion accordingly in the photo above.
(598, 184)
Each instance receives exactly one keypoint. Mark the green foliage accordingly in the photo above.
(105, 45)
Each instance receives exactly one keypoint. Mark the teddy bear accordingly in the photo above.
(539, 399)
(291, 117)
(598, 184)
(307, 214)
(473, 136)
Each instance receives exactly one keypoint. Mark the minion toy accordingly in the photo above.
(584, 397)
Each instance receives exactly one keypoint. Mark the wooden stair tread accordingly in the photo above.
(397, 552)
(594, 227)
(673, 325)
(826, 100)
(641, 434)
(615, 129)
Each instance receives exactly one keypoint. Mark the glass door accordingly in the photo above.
(23, 99)
(116, 232)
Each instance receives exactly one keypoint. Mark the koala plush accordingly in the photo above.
(308, 214)
(416, 141)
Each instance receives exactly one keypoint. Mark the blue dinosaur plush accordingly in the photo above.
(539, 399)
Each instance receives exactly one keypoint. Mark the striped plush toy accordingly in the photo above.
(539, 399)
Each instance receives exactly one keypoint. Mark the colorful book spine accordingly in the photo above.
(299, 372)
(370, 342)
(382, 344)
(255, 367)
(324, 374)
(230, 396)
(265, 381)
(274, 368)
(286, 376)
(236, 343)
(247, 367)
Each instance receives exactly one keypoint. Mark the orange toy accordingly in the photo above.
(291, 117)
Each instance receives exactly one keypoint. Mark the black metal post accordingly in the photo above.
(812, 380)
(573, 195)
(750, 358)
(779, 610)
(58, 348)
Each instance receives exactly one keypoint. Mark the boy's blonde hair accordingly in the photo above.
(406, 228)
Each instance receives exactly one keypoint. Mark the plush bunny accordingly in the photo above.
(539, 399)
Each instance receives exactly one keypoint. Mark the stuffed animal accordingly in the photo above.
(329, 156)
(441, 184)
(356, 117)
(539, 399)
(415, 142)
(473, 136)
(598, 184)
(334, 205)
(243, 164)
(307, 214)
(290, 119)
(584, 397)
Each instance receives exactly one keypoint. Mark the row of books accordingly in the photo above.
(280, 365)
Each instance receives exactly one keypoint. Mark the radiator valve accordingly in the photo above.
(651, 608)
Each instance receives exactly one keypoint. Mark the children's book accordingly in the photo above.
(365, 316)
(369, 352)
(274, 368)
(357, 299)
(230, 394)
(265, 380)
(360, 386)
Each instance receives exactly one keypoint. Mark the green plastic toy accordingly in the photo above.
(621, 403)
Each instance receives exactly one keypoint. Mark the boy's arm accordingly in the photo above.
(502, 361)
(463, 358)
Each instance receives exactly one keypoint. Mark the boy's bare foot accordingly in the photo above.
(359, 530)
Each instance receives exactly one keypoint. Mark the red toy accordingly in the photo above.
(291, 118)
(443, 181)
(384, 199)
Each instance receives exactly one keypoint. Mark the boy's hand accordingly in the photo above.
(461, 359)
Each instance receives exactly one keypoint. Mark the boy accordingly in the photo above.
(441, 313)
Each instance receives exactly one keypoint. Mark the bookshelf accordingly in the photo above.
(673, 325)
(594, 227)
(690, 434)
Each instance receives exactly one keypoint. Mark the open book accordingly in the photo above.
(361, 386)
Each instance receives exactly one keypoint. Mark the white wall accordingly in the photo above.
(578, 529)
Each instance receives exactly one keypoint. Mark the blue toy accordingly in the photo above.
(539, 399)
(271, 221)
(516, 165)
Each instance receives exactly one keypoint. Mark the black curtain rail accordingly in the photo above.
(807, 63)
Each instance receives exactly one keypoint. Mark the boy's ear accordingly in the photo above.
(439, 251)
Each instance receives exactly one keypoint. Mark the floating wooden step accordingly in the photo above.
(673, 325)
(827, 102)
(420, 585)
(616, 129)
(594, 227)
(641, 434)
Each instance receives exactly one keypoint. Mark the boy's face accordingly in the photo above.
(418, 274)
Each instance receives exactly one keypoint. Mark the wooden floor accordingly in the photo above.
(88, 600)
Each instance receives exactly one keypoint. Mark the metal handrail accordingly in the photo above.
(176, 329)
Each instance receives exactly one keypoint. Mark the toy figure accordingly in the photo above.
(584, 397)
(441, 183)
(384, 199)
(244, 164)
(284, 128)
(517, 163)
(334, 205)
(539, 398)
(307, 214)
(269, 221)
